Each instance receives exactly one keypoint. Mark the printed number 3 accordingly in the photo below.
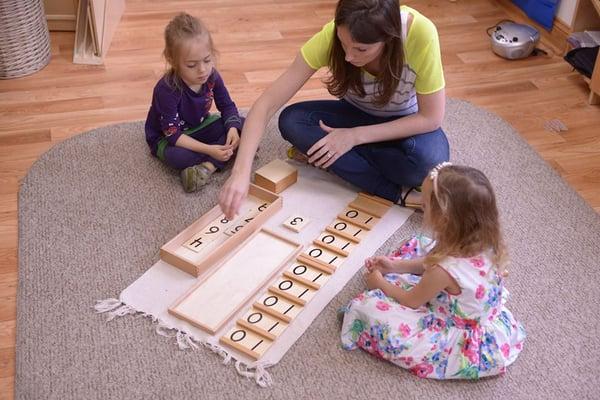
(296, 221)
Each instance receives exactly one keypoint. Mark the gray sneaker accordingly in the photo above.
(194, 177)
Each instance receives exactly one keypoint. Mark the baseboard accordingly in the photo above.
(61, 22)
(562, 27)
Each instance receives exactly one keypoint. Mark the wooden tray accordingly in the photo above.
(224, 290)
(209, 239)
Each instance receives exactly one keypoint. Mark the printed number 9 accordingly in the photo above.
(213, 229)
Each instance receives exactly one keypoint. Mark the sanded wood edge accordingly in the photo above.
(255, 329)
(262, 193)
(272, 313)
(369, 206)
(287, 296)
(331, 248)
(308, 260)
(179, 262)
(250, 353)
(357, 223)
(378, 199)
(302, 280)
(343, 234)
(196, 323)
(264, 183)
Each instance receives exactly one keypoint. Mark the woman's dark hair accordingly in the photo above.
(369, 21)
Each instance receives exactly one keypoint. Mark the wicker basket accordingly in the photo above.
(24, 38)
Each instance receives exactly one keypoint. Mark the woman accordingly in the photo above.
(384, 134)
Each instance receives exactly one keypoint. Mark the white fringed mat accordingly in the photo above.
(317, 195)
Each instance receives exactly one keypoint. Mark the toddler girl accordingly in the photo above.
(437, 307)
(180, 130)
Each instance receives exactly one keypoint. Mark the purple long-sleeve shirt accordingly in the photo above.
(174, 110)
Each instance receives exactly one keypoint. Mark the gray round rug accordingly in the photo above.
(95, 209)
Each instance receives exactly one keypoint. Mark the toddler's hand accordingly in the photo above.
(233, 138)
(379, 263)
(375, 280)
(221, 153)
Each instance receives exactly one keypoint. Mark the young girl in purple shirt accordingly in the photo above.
(180, 130)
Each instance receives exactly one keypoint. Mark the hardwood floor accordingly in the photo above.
(257, 39)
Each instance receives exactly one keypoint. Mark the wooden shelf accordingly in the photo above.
(596, 4)
(587, 17)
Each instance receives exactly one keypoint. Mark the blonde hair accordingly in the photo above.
(463, 215)
(181, 28)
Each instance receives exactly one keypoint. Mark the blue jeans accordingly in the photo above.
(381, 168)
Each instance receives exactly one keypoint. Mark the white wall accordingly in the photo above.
(566, 11)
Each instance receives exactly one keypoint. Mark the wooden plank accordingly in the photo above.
(347, 230)
(262, 323)
(293, 290)
(246, 341)
(377, 199)
(278, 306)
(335, 243)
(358, 217)
(323, 255)
(312, 262)
(217, 296)
(369, 205)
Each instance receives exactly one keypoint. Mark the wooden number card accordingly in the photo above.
(292, 290)
(278, 306)
(371, 204)
(296, 222)
(325, 256)
(347, 230)
(215, 298)
(252, 258)
(335, 243)
(254, 208)
(246, 341)
(215, 230)
(262, 323)
(306, 274)
(359, 218)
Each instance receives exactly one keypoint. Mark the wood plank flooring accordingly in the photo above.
(257, 39)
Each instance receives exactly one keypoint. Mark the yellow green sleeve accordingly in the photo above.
(316, 50)
(424, 56)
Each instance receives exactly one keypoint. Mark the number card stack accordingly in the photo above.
(284, 299)
(213, 236)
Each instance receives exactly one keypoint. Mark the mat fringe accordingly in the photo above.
(256, 371)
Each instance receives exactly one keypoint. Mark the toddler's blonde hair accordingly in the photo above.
(181, 28)
(463, 216)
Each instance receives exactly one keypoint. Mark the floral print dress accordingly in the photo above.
(465, 336)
